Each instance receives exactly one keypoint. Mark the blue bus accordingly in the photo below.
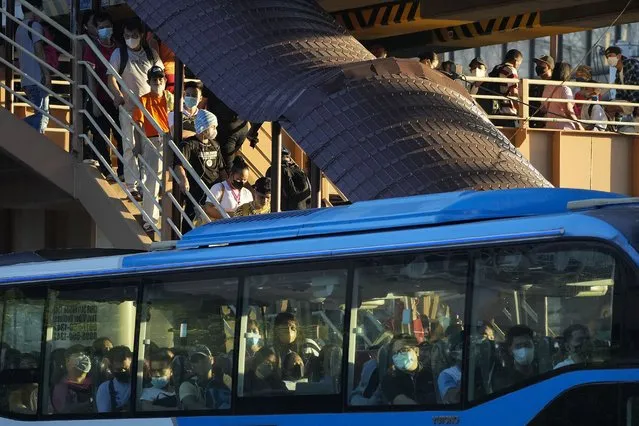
(502, 307)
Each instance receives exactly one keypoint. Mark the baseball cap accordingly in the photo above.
(201, 350)
(263, 185)
(477, 60)
(155, 71)
(548, 60)
(203, 120)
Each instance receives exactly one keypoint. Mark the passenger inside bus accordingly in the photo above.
(73, 393)
(520, 358)
(100, 368)
(408, 381)
(264, 375)
(161, 394)
(577, 345)
(23, 398)
(292, 370)
(114, 395)
(449, 380)
(204, 390)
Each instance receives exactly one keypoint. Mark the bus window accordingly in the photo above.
(187, 333)
(79, 378)
(22, 316)
(549, 307)
(408, 332)
(299, 320)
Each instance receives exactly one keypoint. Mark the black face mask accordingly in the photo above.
(238, 184)
(122, 376)
(540, 70)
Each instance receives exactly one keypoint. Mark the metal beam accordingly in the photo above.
(316, 186)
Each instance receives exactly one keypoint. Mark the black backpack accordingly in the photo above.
(124, 56)
(491, 106)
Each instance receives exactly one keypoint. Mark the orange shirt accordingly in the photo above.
(159, 110)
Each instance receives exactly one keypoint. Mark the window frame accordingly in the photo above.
(347, 262)
(289, 404)
(625, 270)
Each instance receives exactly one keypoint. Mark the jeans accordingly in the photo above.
(131, 167)
(40, 98)
(105, 126)
(152, 157)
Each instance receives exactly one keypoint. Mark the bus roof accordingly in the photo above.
(398, 224)
(391, 213)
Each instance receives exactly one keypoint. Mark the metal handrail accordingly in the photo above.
(524, 84)
(99, 133)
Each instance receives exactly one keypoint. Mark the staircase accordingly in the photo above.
(57, 155)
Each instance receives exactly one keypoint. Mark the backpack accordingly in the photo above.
(491, 106)
(50, 54)
(124, 56)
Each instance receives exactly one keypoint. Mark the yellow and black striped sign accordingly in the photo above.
(390, 13)
(488, 27)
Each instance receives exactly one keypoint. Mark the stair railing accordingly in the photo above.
(89, 139)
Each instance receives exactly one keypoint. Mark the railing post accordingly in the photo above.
(276, 167)
(524, 109)
(76, 77)
(316, 186)
(8, 56)
(177, 135)
(166, 232)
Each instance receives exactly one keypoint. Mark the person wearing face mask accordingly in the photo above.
(627, 72)
(161, 395)
(203, 154)
(520, 359)
(577, 345)
(158, 102)
(593, 111)
(192, 98)
(231, 193)
(106, 46)
(132, 62)
(477, 69)
(114, 395)
(74, 393)
(206, 390)
(543, 68)
(508, 69)
(449, 380)
(407, 382)
(264, 375)
(261, 199)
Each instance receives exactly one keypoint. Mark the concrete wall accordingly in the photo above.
(35, 229)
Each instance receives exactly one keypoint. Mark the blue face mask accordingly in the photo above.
(159, 382)
(403, 360)
(252, 339)
(190, 102)
(105, 33)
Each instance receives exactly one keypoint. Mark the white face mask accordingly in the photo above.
(479, 72)
(612, 61)
(524, 356)
(133, 43)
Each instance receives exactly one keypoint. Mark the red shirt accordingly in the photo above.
(89, 56)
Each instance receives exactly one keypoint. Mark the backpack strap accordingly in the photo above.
(112, 394)
(124, 58)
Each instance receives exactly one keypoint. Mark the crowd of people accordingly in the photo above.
(212, 138)
(408, 371)
(213, 134)
(573, 114)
